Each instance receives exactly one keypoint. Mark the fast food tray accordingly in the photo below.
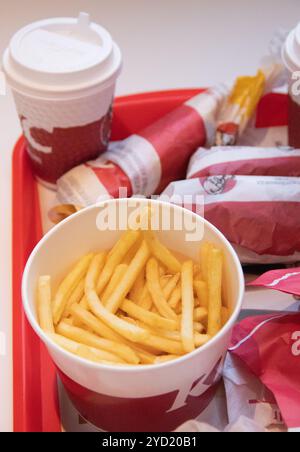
(35, 389)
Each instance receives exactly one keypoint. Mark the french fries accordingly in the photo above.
(153, 284)
(116, 256)
(187, 317)
(75, 297)
(214, 323)
(162, 253)
(170, 285)
(130, 332)
(44, 304)
(67, 285)
(84, 351)
(175, 297)
(149, 318)
(84, 337)
(137, 288)
(127, 281)
(137, 304)
(201, 290)
(93, 272)
(114, 281)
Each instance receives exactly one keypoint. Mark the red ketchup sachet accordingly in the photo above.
(269, 347)
(285, 280)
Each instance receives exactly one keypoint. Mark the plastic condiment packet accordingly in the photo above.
(285, 280)
(269, 347)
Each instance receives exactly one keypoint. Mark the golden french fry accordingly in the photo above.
(215, 264)
(113, 283)
(94, 270)
(84, 337)
(83, 302)
(116, 256)
(161, 270)
(165, 358)
(75, 297)
(156, 342)
(137, 288)
(149, 318)
(84, 351)
(198, 327)
(225, 315)
(132, 252)
(126, 283)
(163, 344)
(146, 300)
(44, 304)
(67, 286)
(90, 321)
(201, 290)
(175, 297)
(141, 346)
(130, 332)
(153, 284)
(169, 286)
(200, 314)
(145, 357)
(201, 339)
(162, 253)
(204, 258)
(167, 334)
(187, 318)
(197, 272)
(178, 309)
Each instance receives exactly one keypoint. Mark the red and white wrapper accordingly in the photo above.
(269, 346)
(259, 215)
(285, 280)
(245, 160)
(147, 162)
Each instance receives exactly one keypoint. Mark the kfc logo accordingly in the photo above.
(198, 387)
(215, 185)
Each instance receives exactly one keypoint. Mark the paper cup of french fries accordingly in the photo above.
(136, 318)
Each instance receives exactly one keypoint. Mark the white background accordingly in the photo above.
(165, 44)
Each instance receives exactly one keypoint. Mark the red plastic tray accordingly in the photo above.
(35, 386)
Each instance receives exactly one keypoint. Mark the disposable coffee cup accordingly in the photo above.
(291, 59)
(62, 73)
(157, 397)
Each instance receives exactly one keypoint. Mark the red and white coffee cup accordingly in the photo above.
(63, 72)
(136, 398)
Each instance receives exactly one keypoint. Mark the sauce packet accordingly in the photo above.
(285, 280)
(269, 347)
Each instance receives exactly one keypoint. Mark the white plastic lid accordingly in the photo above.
(61, 56)
(291, 50)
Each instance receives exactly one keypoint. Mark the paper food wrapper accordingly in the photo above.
(147, 162)
(245, 160)
(269, 346)
(243, 100)
(258, 214)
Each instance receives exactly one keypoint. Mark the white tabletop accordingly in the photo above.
(165, 44)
